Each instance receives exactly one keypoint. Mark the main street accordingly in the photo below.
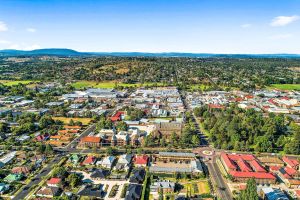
(219, 183)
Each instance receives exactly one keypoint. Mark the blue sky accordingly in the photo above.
(203, 26)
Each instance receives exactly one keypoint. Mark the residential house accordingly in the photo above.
(49, 192)
(138, 176)
(7, 158)
(54, 182)
(4, 187)
(124, 162)
(75, 158)
(91, 191)
(141, 160)
(13, 177)
(89, 160)
(21, 170)
(134, 192)
(108, 162)
(99, 174)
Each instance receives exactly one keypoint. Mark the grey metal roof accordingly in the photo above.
(169, 169)
(178, 154)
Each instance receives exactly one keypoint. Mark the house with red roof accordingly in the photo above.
(117, 116)
(141, 160)
(54, 182)
(215, 106)
(89, 160)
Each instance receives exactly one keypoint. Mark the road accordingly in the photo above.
(70, 148)
(220, 185)
(38, 178)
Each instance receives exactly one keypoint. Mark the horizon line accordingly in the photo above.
(158, 52)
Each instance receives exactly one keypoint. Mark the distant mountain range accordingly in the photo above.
(70, 53)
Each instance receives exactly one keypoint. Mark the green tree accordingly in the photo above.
(49, 150)
(45, 121)
(74, 180)
(196, 140)
(251, 191)
(122, 126)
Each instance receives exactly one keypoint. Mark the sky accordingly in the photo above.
(196, 26)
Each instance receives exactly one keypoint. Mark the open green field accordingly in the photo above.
(286, 86)
(12, 82)
(108, 84)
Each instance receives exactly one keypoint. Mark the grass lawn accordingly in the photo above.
(66, 120)
(108, 84)
(198, 86)
(203, 187)
(11, 83)
(285, 86)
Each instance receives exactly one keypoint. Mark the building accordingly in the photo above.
(244, 166)
(108, 162)
(273, 194)
(48, 192)
(7, 158)
(90, 141)
(134, 192)
(99, 174)
(91, 191)
(173, 162)
(290, 162)
(89, 160)
(138, 176)
(54, 182)
(4, 188)
(13, 177)
(141, 160)
(165, 186)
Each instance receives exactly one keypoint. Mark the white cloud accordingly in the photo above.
(3, 27)
(284, 20)
(246, 25)
(4, 42)
(280, 36)
(31, 30)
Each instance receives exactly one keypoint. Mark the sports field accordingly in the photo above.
(286, 86)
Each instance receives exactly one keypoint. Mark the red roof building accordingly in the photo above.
(244, 167)
(141, 160)
(54, 182)
(293, 163)
(216, 106)
(117, 116)
(256, 175)
(290, 171)
(90, 141)
(89, 160)
(228, 162)
(256, 166)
